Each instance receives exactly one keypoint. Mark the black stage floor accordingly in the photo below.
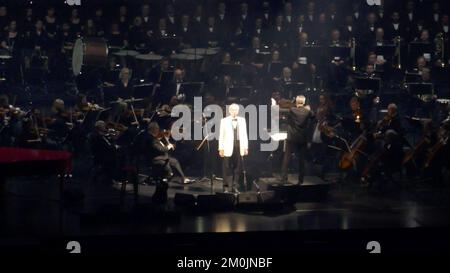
(32, 209)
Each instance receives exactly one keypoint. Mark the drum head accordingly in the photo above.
(77, 57)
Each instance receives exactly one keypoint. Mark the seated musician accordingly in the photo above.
(353, 119)
(284, 82)
(59, 123)
(378, 64)
(104, 151)
(82, 104)
(324, 131)
(388, 158)
(369, 72)
(379, 38)
(274, 66)
(420, 65)
(159, 150)
(124, 85)
(335, 39)
(390, 122)
(157, 71)
(173, 88)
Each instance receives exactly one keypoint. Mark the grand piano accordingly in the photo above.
(18, 162)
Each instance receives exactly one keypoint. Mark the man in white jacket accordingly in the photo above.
(233, 146)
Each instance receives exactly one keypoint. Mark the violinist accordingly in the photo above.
(159, 148)
(4, 120)
(325, 129)
(104, 152)
(60, 121)
(82, 104)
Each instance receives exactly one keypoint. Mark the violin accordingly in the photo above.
(165, 135)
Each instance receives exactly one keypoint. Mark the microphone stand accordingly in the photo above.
(208, 149)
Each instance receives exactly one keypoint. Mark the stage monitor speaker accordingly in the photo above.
(288, 193)
(185, 200)
(217, 202)
(266, 200)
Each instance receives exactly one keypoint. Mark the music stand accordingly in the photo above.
(143, 91)
(191, 90)
(233, 70)
(342, 52)
(313, 53)
(293, 89)
(240, 92)
(413, 77)
(420, 89)
(387, 51)
(262, 57)
(442, 74)
(367, 84)
(167, 76)
(417, 49)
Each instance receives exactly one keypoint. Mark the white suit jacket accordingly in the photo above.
(226, 138)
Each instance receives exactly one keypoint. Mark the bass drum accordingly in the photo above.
(89, 52)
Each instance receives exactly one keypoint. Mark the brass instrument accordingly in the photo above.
(353, 53)
(440, 47)
(398, 51)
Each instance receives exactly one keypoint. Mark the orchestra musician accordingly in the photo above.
(233, 146)
(299, 118)
(104, 152)
(159, 148)
(59, 123)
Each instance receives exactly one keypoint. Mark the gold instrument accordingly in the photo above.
(398, 51)
(440, 47)
(353, 53)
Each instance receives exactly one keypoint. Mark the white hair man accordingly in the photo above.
(298, 122)
(233, 145)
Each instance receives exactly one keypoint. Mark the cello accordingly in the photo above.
(348, 159)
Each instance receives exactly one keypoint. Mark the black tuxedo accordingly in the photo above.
(159, 154)
(299, 119)
(187, 35)
(391, 32)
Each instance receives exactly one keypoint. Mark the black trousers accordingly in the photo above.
(232, 168)
(299, 148)
(173, 163)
